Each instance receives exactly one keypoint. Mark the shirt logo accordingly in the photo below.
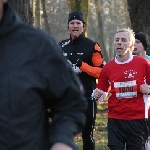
(130, 73)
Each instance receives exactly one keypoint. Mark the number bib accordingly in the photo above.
(126, 89)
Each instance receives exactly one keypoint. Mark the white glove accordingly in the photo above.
(75, 68)
(99, 95)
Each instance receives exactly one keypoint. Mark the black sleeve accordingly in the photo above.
(64, 96)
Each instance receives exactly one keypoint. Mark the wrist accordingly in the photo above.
(79, 63)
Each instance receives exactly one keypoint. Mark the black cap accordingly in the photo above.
(76, 15)
(143, 38)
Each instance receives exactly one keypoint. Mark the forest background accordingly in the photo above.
(103, 18)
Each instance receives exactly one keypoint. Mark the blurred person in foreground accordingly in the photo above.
(34, 77)
(86, 59)
(127, 76)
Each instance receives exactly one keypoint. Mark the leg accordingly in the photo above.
(116, 134)
(87, 132)
(134, 148)
(112, 147)
(149, 126)
(137, 134)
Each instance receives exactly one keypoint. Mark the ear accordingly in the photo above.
(84, 25)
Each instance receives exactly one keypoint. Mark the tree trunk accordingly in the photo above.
(24, 10)
(139, 11)
(38, 14)
(47, 26)
(74, 5)
(33, 9)
(80, 5)
(105, 18)
(84, 10)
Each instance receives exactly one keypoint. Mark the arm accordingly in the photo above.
(99, 95)
(97, 59)
(145, 89)
(64, 97)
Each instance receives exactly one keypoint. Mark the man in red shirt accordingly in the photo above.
(127, 76)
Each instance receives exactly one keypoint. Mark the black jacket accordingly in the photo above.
(85, 47)
(34, 76)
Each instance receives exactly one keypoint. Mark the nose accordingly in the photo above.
(75, 25)
(119, 42)
(134, 44)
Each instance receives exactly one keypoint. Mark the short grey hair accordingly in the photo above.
(130, 32)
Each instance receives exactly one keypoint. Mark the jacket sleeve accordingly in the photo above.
(64, 96)
(97, 60)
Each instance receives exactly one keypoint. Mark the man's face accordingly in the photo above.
(75, 27)
(122, 43)
(138, 47)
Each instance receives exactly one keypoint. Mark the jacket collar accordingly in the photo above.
(81, 36)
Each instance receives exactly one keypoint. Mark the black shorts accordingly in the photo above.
(124, 133)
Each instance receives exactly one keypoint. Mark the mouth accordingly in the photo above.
(75, 31)
(118, 49)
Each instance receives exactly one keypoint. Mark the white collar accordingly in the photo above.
(125, 62)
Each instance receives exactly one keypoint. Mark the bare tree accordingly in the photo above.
(38, 13)
(80, 5)
(45, 17)
(24, 10)
(139, 15)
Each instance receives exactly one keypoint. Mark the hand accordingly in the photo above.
(144, 89)
(60, 146)
(97, 93)
(75, 59)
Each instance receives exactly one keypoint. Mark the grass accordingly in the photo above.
(100, 131)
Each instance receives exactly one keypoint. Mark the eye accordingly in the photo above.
(116, 40)
(78, 23)
(124, 40)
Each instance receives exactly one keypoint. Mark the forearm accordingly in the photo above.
(90, 70)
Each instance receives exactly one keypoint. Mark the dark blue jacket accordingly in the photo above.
(35, 76)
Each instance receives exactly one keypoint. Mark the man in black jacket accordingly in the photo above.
(34, 77)
(86, 59)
